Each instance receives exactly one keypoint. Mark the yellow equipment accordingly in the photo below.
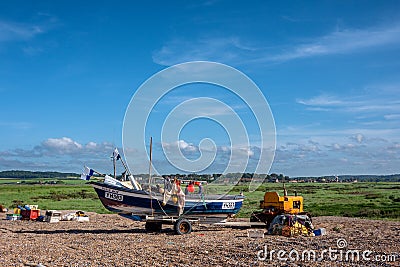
(285, 204)
(273, 205)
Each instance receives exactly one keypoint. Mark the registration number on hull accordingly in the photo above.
(228, 205)
(114, 196)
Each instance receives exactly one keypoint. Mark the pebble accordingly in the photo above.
(110, 240)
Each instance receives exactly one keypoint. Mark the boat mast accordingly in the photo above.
(115, 167)
(151, 202)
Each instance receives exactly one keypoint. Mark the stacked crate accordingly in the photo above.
(30, 212)
(16, 215)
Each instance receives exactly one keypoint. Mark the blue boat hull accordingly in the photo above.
(138, 202)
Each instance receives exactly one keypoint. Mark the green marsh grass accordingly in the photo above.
(366, 200)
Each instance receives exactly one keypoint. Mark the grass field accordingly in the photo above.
(368, 200)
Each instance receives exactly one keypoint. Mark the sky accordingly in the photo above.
(329, 71)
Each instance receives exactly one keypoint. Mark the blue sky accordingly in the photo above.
(329, 70)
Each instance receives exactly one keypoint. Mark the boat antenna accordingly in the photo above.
(284, 187)
(126, 167)
(151, 148)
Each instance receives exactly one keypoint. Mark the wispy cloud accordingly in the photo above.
(372, 115)
(31, 51)
(11, 31)
(22, 125)
(214, 49)
(392, 117)
(377, 101)
(321, 100)
(233, 50)
(342, 42)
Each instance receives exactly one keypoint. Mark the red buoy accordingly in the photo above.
(190, 188)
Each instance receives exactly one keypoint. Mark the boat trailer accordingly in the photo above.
(184, 225)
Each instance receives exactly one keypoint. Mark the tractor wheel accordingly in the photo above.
(183, 227)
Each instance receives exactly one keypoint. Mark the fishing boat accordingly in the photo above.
(125, 200)
(161, 203)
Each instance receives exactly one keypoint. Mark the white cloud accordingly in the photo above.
(186, 146)
(336, 146)
(358, 137)
(321, 100)
(217, 159)
(181, 144)
(240, 151)
(61, 145)
(59, 154)
(396, 146)
(392, 116)
(66, 145)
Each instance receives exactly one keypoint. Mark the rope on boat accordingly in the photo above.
(184, 213)
(158, 201)
(204, 203)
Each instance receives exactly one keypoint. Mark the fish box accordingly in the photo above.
(255, 233)
(13, 217)
(52, 216)
(30, 214)
(320, 231)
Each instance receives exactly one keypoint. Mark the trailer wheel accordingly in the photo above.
(183, 227)
(153, 227)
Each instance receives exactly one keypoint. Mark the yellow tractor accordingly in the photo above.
(273, 205)
(286, 204)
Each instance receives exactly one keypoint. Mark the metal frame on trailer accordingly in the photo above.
(182, 225)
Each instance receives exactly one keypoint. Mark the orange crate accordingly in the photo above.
(30, 214)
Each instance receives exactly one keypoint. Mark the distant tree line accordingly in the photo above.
(350, 178)
(372, 178)
(32, 175)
